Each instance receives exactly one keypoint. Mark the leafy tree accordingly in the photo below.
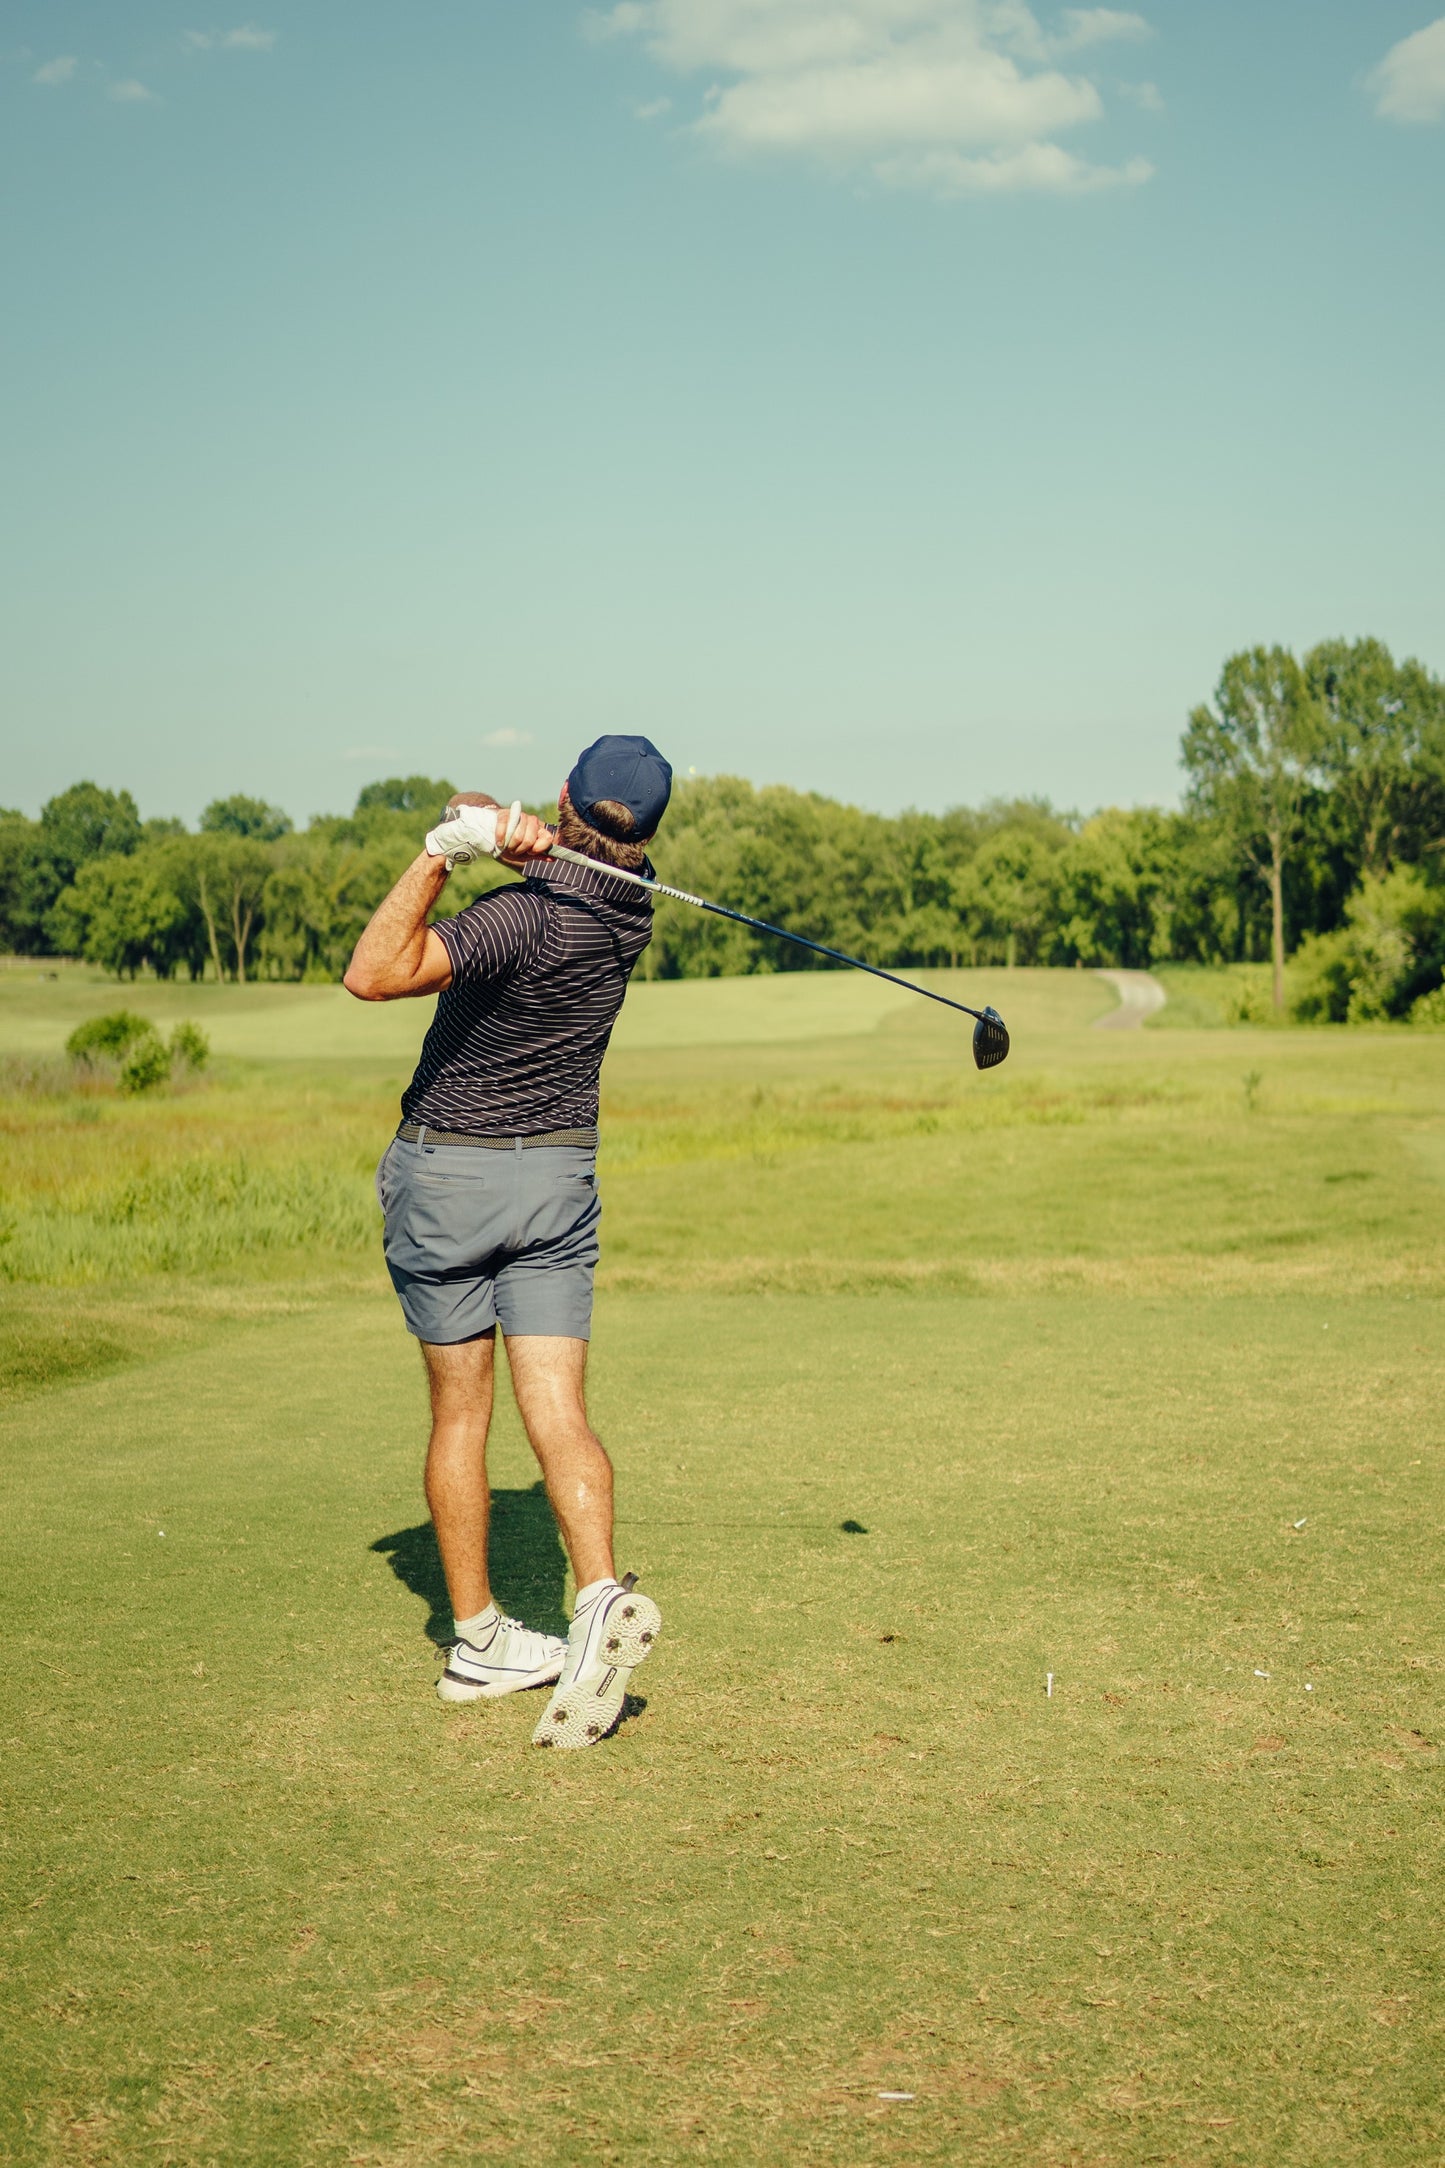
(87, 822)
(1004, 895)
(415, 794)
(1250, 759)
(1112, 891)
(40, 858)
(24, 900)
(1382, 750)
(700, 848)
(227, 880)
(249, 817)
(318, 898)
(123, 914)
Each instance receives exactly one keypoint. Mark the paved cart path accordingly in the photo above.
(1140, 995)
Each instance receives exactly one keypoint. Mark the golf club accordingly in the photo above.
(990, 1035)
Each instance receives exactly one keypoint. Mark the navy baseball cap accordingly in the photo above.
(631, 772)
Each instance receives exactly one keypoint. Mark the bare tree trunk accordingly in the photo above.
(1276, 911)
(241, 924)
(203, 897)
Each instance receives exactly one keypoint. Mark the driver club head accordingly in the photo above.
(990, 1040)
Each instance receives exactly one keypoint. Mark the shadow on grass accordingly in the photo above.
(528, 1565)
(35, 1356)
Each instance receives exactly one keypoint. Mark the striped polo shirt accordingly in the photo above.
(538, 975)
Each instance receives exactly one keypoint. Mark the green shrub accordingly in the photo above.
(1247, 1002)
(1429, 1011)
(189, 1047)
(1373, 967)
(146, 1066)
(108, 1036)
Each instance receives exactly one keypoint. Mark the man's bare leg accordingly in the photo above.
(461, 1381)
(614, 1628)
(549, 1379)
(491, 1655)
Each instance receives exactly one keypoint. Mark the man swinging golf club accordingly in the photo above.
(490, 1198)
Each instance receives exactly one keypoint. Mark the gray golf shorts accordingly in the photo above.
(476, 1237)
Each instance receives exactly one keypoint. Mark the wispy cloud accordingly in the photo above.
(246, 38)
(55, 72)
(1147, 96)
(129, 92)
(499, 741)
(951, 96)
(1409, 83)
(1043, 168)
(653, 109)
(1098, 26)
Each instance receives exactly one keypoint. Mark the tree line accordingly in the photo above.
(1313, 826)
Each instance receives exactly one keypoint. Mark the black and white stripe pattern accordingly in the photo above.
(538, 975)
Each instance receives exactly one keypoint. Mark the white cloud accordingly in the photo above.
(129, 92)
(1409, 83)
(247, 38)
(1097, 26)
(1037, 169)
(653, 109)
(1146, 96)
(498, 741)
(57, 71)
(950, 96)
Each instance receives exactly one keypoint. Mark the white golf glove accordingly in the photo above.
(465, 832)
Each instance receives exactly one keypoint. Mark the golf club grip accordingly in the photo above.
(760, 925)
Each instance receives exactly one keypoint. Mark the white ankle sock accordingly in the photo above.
(473, 1629)
(591, 1592)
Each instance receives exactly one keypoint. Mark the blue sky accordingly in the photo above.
(909, 399)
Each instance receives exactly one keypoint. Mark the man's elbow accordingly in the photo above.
(359, 981)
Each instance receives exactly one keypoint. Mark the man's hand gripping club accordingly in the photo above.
(469, 830)
(399, 954)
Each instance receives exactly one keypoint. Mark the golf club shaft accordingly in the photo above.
(740, 918)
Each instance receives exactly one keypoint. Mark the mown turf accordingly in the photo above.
(921, 1387)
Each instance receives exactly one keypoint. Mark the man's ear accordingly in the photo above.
(562, 795)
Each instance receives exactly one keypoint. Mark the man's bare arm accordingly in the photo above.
(399, 954)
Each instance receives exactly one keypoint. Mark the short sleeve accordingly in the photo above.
(493, 938)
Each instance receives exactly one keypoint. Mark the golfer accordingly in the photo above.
(489, 1192)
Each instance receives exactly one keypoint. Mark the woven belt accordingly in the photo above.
(583, 1139)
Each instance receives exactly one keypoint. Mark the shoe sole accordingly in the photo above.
(585, 1714)
(452, 1687)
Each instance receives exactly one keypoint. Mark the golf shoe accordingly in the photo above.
(607, 1642)
(505, 1659)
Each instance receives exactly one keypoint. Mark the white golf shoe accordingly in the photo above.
(607, 1642)
(505, 1659)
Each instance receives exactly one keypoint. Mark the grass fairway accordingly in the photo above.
(1114, 1365)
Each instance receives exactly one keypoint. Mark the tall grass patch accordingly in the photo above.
(98, 1187)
